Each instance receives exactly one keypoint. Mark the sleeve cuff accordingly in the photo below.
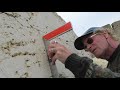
(77, 65)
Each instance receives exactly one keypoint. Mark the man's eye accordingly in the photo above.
(90, 41)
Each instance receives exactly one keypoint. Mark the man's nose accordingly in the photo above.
(89, 47)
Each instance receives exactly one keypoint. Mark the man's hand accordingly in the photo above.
(58, 51)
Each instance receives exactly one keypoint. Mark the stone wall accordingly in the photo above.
(22, 50)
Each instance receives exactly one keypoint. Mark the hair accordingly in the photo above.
(109, 31)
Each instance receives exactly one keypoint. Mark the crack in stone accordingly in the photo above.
(11, 15)
(22, 53)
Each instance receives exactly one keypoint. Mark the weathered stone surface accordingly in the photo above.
(22, 50)
(116, 28)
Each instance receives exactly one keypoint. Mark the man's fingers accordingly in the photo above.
(54, 42)
(54, 59)
(51, 55)
(51, 52)
(51, 46)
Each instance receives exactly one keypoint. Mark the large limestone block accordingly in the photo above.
(21, 46)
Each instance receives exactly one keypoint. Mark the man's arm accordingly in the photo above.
(83, 67)
(80, 66)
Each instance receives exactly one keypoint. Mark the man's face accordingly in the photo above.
(99, 45)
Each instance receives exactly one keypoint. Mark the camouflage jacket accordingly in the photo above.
(83, 67)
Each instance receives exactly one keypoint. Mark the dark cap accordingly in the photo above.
(79, 41)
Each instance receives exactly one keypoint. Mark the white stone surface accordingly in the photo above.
(22, 51)
(21, 45)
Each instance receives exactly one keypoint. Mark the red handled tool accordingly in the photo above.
(46, 38)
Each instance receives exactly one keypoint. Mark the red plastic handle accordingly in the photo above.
(58, 31)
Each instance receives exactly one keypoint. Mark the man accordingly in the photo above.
(96, 40)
